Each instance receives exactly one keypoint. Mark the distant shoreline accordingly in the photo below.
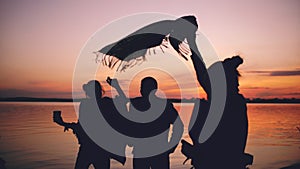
(255, 100)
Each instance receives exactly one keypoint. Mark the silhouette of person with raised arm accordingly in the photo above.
(89, 152)
(225, 147)
(139, 109)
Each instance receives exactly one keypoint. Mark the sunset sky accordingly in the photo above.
(41, 41)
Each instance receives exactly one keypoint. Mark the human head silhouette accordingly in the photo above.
(232, 74)
(93, 89)
(148, 84)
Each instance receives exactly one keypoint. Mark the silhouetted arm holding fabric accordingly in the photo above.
(199, 65)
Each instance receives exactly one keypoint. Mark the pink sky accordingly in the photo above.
(41, 40)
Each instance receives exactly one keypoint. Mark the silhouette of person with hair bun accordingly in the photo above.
(225, 147)
(89, 152)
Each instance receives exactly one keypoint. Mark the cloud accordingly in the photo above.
(255, 88)
(285, 73)
(293, 94)
(295, 72)
(276, 93)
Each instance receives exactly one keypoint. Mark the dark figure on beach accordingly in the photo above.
(89, 152)
(225, 147)
(140, 108)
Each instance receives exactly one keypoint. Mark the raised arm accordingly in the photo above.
(115, 84)
(199, 65)
(58, 120)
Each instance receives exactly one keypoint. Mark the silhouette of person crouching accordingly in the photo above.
(225, 147)
(89, 152)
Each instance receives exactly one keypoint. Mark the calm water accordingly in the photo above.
(30, 140)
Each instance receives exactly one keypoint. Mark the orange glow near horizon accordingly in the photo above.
(252, 85)
(40, 47)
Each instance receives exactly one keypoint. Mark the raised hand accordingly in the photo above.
(57, 118)
(115, 84)
(112, 82)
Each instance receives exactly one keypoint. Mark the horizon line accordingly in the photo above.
(175, 100)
